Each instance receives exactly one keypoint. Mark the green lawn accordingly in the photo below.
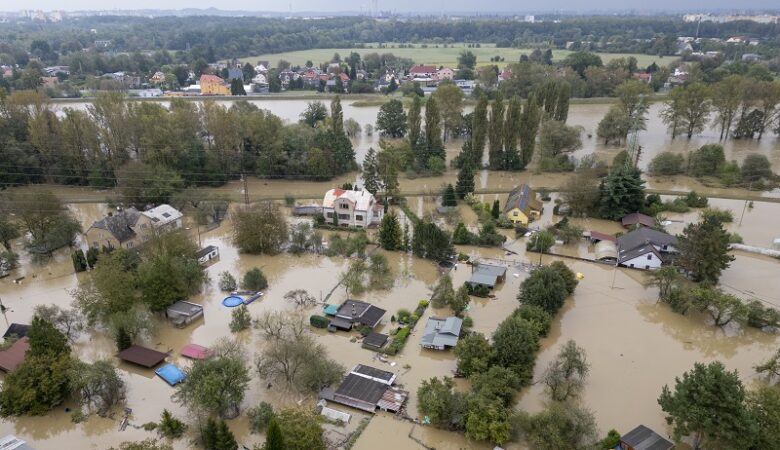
(436, 56)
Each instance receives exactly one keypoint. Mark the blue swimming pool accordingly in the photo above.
(233, 301)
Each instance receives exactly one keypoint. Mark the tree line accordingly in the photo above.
(165, 148)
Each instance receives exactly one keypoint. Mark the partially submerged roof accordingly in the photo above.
(637, 218)
(362, 312)
(171, 374)
(11, 442)
(205, 251)
(376, 340)
(374, 373)
(195, 351)
(523, 198)
(606, 250)
(599, 236)
(440, 332)
(643, 438)
(16, 329)
(119, 224)
(11, 357)
(491, 269)
(642, 237)
(163, 214)
(142, 356)
(185, 308)
(361, 388)
(483, 279)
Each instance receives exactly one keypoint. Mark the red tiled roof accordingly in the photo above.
(422, 69)
(598, 236)
(212, 78)
(338, 192)
(14, 355)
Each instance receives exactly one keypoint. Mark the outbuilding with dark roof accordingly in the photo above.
(643, 438)
(14, 355)
(356, 312)
(142, 356)
(637, 218)
(18, 330)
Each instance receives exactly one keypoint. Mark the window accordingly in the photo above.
(343, 206)
(647, 267)
(649, 257)
(358, 217)
(343, 216)
(329, 215)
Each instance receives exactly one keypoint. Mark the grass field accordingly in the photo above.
(436, 56)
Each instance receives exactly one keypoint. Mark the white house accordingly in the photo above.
(645, 248)
(260, 79)
(351, 208)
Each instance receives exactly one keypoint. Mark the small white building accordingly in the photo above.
(646, 248)
(164, 216)
(351, 208)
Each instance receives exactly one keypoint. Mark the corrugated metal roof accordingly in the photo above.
(142, 356)
(643, 438)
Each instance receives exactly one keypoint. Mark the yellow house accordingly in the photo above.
(213, 85)
(522, 206)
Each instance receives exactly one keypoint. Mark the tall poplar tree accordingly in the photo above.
(529, 126)
(433, 141)
(512, 160)
(496, 134)
(479, 130)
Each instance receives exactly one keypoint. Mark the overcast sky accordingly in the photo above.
(396, 5)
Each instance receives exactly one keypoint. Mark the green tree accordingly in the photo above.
(254, 280)
(474, 354)
(565, 375)
(495, 212)
(434, 147)
(314, 113)
(496, 155)
(142, 184)
(687, 109)
(622, 192)
(391, 119)
(666, 163)
(529, 126)
(448, 197)
(755, 168)
(123, 339)
(704, 250)
(511, 133)
(260, 228)
(541, 242)
(726, 98)
(237, 87)
(556, 137)
(438, 400)
(216, 385)
(431, 242)
(515, 343)
(479, 132)
(443, 293)
(240, 319)
(274, 440)
(546, 288)
(487, 420)
(46, 219)
(449, 99)
(415, 123)
(707, 403)
(707, 160)
(224, 438)
(460, 301)
(390, 236)
(170, 426)
(559, 425)
(8, 232)
(465, 182)
(614, 127)
(371, 179)
(301, 430)
(764, 409)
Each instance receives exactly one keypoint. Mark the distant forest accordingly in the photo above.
(214, 38)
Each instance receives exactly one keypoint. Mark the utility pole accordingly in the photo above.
(246, 190)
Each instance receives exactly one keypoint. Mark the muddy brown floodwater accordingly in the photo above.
(634, 345)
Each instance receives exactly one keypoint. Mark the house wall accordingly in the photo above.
(143, 228)
(99, 238)
(208, 87)
(641, 262)
(517, 216)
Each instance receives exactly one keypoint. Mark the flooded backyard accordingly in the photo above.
(634, 344)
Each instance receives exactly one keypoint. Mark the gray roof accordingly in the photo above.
(441, 332)
(627, 255)
(361, 388)
(120, 224)
(361, 312)
(637, 218)
(205, 251)
(606, 250)
(375, 339)
(522, 198)
(644, 236)
(491, 269)
(483, 279)
(11, 442)
(185, 308)
(373, 372)
(643, 438)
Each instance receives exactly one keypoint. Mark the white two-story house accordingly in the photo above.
(351, 208)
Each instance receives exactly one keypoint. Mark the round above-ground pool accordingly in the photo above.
(233, 301)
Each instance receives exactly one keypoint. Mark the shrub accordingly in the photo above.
(227, 282)
(318, 321)
(240, 319)
(399, 340)
(289, 200)
(707, 160)
(666, 163)
(478, 290)
(730, 174)
(719, 215)
(695, 200)
(403, 315)
(365, 330)
(254, 280)
(735, 238)
(170, 426)
(259, 417)
(755, 167)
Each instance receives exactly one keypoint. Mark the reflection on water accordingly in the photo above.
(634, 345)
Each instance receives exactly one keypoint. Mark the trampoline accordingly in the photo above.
(233, 301)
